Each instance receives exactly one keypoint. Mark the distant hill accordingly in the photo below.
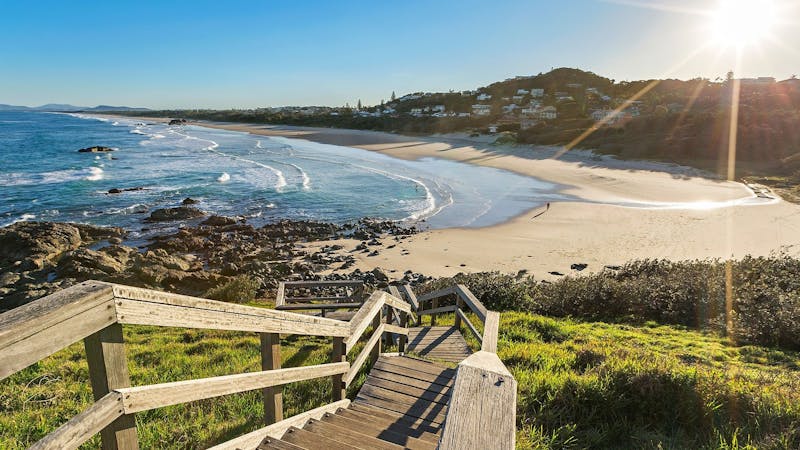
(61, 107)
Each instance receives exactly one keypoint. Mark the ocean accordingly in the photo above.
(43, 177)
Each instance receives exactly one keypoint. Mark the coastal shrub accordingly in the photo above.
(241, 289)
(763, 309)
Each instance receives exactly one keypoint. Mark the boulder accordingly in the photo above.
(96, 149)
(177, 213)
(37, 244)
(189, 201)
(219, 221)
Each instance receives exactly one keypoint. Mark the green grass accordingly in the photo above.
(37, 400)
(581, 385)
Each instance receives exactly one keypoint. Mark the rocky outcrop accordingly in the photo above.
(219, 221)
(177, 213)
(177, 122)
(33, 245)
(96, 149)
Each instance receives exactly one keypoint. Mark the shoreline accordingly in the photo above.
(593, 231)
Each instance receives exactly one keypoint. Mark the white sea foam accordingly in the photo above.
(116, 124)
(138, 131)
(258, 144)
(137, 208)
(430, 202)
(304, 175)
(95, 173)
(224, 178)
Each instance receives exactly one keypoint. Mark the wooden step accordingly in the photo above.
(422, 411)
(409, 381)
(277, 444)
(385, 414)
(311, 441)
(375, 390)
(432, 392)
(376, 431)
(423, 432)
(353, 435)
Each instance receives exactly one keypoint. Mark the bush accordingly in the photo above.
(241, 289)
(765, 301)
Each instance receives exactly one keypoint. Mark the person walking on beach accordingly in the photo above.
(548, 207)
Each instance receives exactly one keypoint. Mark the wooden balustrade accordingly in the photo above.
(95, 312)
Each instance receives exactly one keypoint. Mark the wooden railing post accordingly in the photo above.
(108, 370)
(434, 305)
(339, 355)
(459, 305)
(271, 359)
(376, 322)
(401, 344)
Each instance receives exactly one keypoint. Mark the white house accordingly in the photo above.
(537, 93)
(526, 123)
(438, 108)
(416, 111)
(483, 97)
(523, 92)
(548, 113)
(510, 108)
(481, 110)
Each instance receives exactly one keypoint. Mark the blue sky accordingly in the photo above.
(232, 53)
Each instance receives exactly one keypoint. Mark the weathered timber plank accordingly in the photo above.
(46, 341)
(394, 378)
(322, 283)
(410, 296)
(302, 306)
(411, 392)
(346, 424)
(474, 304)
(396, 424)
(311, 441)
(169, 315)
(482, 408)
(431, 412)
(436, 294)
(280, 297)
(397, 303)
(490, 331)
(148, 295)
(372, 411)
(108, 370)
(142, 398)
(439, 310)
(363, 318)
(276, 430)
(350, 436)
(365, 353)
(469, 325)
(83, 426)
(271, 360)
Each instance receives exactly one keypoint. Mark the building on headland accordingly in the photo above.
(757, 81)
(548, 113)
(526, 123)
(481, 110)
(537, 93)
(483, 97)
(523, 92)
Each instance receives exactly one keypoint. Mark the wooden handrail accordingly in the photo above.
(94, 311)
(142, 398)
(83, 426)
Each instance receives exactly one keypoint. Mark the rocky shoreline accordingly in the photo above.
(39, 258)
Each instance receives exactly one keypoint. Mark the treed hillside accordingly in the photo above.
(673, 120)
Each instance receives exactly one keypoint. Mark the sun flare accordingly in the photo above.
(743, 22)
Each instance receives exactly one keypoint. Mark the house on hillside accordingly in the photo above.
(481, 110)
(518, 98)
(526, 123)
(484, 97)
(523, 92)
(438, 109)
(510, 108)
(548, 113)
(537, 93)
(416, 112)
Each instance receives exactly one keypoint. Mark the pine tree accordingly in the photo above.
(393, 96)
(359, 105)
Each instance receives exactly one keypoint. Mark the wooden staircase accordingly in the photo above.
(440, 343)
(402, 404)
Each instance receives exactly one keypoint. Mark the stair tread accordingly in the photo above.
(375, 411)
(277, 444)
(349, 435)
(420, 431)
(312, 441)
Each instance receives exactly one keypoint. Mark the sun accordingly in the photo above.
(740, 23)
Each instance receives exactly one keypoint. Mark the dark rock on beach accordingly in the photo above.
(189, 201)
(219, 221)
(96, 149)
(119, 191)
(177, 213)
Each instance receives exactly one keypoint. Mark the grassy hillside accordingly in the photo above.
(581, 385)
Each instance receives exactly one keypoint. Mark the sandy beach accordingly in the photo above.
(692, 214)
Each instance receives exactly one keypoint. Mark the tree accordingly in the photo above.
(393, 96)
(359, 105)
